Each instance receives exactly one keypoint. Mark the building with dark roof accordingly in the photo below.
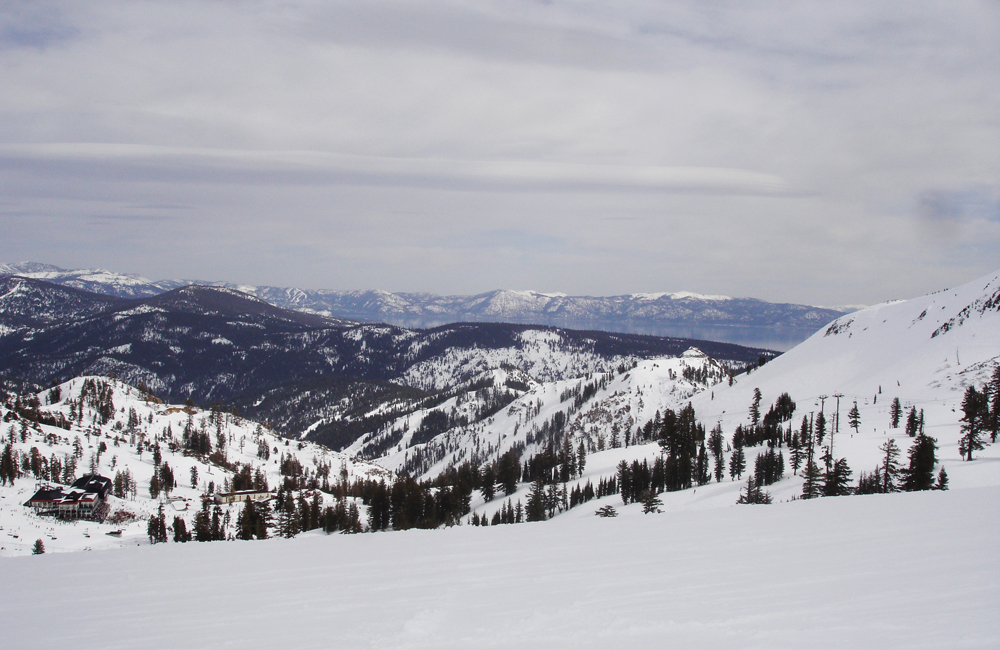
(81, 501)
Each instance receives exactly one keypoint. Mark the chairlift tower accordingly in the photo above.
(836, 421)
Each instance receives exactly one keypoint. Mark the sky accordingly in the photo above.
(813, 152)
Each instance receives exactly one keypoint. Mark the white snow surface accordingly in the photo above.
(20, 527)
(885, 571)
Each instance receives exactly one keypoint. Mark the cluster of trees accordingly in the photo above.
(407, 503)
(162, 479)
(914, 421)
(890, 476)
(98, 395)
(124, 484)
(15, 464)
(980, 416)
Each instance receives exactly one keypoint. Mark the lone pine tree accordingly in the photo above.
(895, 412)
(854, 417)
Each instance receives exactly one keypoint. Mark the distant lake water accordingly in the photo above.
(770, 338)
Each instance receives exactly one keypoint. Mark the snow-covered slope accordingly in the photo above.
(601, 409)
(909, 571)
(924, 351)
(123, 443)
(96, 280)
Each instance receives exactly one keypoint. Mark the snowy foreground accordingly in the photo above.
(913, 570)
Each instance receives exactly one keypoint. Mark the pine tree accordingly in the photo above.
(737, 463)
(819, 427)
(156, 529)
(912, 423)
(581, 458)
(8, 465)
(38, 548)
(755, 408)
(974, 411)
(890, 465)
(942, 480)
(181, 533)
(606, 511)
(702, 472)
(536, 509)
(854, 417)
(994, 404)
(246, 522)
(920, 474)
(811, 487)
(895, 412)
(651, 502)
(838, 479)
(753, 494)
(716, 445)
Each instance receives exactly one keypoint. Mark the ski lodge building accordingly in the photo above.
(80, 501)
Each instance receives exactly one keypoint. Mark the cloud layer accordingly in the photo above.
(793, 151)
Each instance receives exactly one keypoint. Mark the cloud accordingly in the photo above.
(945, 213)
(146, 163)
(24, 23)
(779, 150)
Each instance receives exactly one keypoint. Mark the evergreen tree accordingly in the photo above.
(895, 413)
(181, 533)
(737, 464)
(38, 548)
(716, 445)
(753, 494)
(8, 465)
(536, 509)
(156, 529)
(606, 511)
(972, 419)
(912, 423)
(890, 465)
(719, 468)
(702, 472)
(203, 524)
(920, 474)
(581, 458)
(795, 451)
(994, 404)
(488, 484)
(942, 480)
(651, 502)
(869, 483)
(755, 408)
(819, 427)
(246, 521)
(811, 475)
(838, 479)
(854, 417)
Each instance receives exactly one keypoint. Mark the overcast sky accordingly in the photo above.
(820, 152)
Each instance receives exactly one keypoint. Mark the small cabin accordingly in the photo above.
(242, 495)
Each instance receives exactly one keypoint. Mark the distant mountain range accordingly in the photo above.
(303, 370)
(746, 321)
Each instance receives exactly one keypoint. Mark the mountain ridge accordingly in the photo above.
(748, 321)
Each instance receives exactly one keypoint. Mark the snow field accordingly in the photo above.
(911, 571)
